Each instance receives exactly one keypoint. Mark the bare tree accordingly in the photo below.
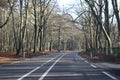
(116, 12)
(4, 4)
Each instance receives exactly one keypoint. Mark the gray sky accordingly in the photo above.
(65, 3)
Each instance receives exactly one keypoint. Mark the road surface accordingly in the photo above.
(59, 66)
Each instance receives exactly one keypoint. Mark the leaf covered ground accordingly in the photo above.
(7, 57)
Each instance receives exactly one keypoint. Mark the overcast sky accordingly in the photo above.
(66, 3)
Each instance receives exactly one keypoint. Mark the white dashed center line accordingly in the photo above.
(86, 62)
(93, 66)
(114, 78)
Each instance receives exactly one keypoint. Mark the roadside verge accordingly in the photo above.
(107, 62)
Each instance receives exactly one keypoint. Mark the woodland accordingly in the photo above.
(39, 25)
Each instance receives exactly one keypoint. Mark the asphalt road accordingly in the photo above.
(60, 66)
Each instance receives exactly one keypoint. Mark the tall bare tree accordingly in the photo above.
(116, 12)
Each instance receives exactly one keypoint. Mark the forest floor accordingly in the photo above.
(7, 57)
(111, 61)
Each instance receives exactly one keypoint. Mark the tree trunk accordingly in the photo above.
(116, 11)
(35, 26)
(107, 27)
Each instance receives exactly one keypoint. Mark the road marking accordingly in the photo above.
(114, 78)
(43, 76)
(93, 66)
(86, 61)
(15, 62)
(36, 69)
(28, 73)
(82, 58)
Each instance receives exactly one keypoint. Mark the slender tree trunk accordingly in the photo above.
(35, 26)
(22, 25)
(116, 11)
(107, 26)
(59, 38)
(13, 27)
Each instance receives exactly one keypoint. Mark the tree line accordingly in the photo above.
(36, 25)
(100, 22)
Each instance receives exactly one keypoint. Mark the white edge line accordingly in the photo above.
(36, 69)
(43, 76)
(86, 61)
(93, 66)
(114, 78)
(81, 58)
(15, 62)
